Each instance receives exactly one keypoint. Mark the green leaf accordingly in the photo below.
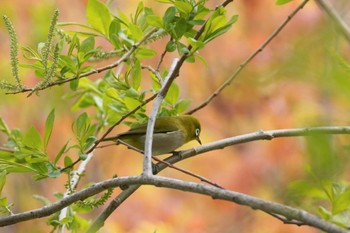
(4, 128)
(182, 105)
(219, 27)
(33, 139)
(98, 16)
(173, 94)
(131, 103)
(60, 153)
(170, 46)
(145, 53)
(281, 2)
(114, 30)
(74, 84)
(135, 31)
(89, 141)
(180, 28)
(48, 127)
(87, 45)
(196, 44)
(183, 7)
(81, 124)
(2, 179)
(136, 75)
(155, 21)
(67, 161)
(169, 16)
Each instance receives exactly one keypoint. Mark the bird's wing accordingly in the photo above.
(157, 129)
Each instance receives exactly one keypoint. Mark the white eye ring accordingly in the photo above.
(197, 132)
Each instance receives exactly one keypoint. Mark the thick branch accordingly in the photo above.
(216, 193)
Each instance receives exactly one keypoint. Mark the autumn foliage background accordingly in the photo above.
(294, 82)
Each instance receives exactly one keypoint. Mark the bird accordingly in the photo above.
(169, 134)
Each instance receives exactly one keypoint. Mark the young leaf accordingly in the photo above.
(173, 94)
(136, 75)
(33, 139)
(98, 16)
(2, 179)
(74, 84)
(4, 128)
(183, 7)
(170, 46)
(87, 45)
(169, 16)
(67, 161)
(182, 105)
(145, 53)
(135, 31)
(155, 21)
(81, 124)
(48, 127)
(281, 2)
(60, 153)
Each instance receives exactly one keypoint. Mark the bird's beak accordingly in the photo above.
(198, 140)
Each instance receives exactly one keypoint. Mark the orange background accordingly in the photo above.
(292, 83)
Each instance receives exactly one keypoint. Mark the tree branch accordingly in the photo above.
(147, 165)
(216, 193)
(335, 17)
(253, 55)
(256, 136)
(260, 135)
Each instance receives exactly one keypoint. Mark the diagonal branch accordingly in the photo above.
(335, 17)
(251, 57)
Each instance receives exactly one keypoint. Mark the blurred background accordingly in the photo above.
(295, 82)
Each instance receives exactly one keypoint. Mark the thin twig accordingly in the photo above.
(201, 178)
(253, 55)
(7, 149)
(161, 60)
(155, 72)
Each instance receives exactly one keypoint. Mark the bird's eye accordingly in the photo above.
(197, 132)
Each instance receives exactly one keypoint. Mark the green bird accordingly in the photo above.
(169, 134)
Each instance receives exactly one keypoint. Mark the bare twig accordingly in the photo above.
(253, 55)
(201, 178)
(155, 72)
(335, 17)
(161, 60)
